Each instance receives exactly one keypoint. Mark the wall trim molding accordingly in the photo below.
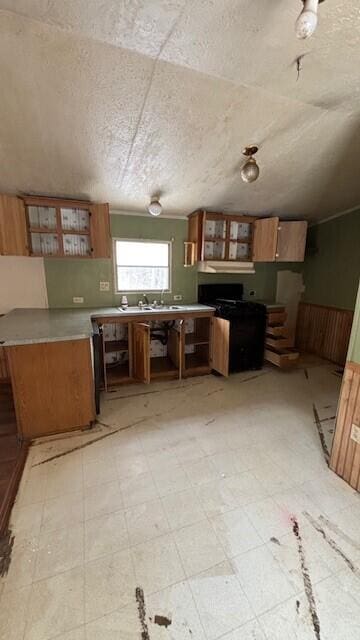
(336, 215)
(144, 214)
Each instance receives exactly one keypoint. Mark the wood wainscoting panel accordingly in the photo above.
(4, 371)
(324, 331)
(345, 453)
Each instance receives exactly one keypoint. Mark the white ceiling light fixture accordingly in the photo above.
(250, 171)
(307, 21)
(155, 207)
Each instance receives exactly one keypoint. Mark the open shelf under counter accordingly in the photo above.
(163, 367)
(116, 374)
(112, 346)
(192, 338)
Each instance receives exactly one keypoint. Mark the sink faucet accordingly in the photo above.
(146, 299)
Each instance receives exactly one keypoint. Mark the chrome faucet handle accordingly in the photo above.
(140, 304)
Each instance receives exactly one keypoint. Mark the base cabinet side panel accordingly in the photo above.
(345, 453)
(53, 386)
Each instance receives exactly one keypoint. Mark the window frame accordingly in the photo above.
(135, 291)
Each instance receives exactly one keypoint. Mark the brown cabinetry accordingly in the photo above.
(279, 240)
(173, 348)
(277, 349)
(37, 226)
(217, 236)
(53, 386)
(13, 235)
(67, 228)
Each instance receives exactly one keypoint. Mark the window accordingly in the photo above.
(142, 265)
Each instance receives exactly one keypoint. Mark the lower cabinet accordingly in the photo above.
(53, 386)
(171, 349)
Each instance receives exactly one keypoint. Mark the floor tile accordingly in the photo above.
(175, 603)
(157, 564)
(103, 499)
(56, 605)
(131, 466)
(64, 477)
(198, 547)
(251, 630)
(138, 489)
(26, 521)
(235, 532)
(22, 566)
(200, 472)
(220, 600)
(263, 581)
(146, 521)
(289, 620)
(109, 584)
(171, 480)
(64, 511)
(118, 625)
(14, 613)
(59, 551)
(183, 509)
(338, 611)
(75, 634)
(268, 518)
(99, 472)
(105, 534)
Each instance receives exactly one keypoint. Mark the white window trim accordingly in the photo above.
(135, 291)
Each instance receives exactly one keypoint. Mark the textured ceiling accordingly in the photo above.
(115, 100)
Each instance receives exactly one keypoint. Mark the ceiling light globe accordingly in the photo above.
(306, 24)
(155, 208)
(307, 20)
(250, 171)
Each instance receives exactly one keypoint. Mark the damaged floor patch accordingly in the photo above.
(162, 621)
(306, 579)
(331, 543)
(140, 599)
(321, 434)
(6, 546)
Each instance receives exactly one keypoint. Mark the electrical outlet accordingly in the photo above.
(252, 293)
(78, 300)
(355, 433)
(178, 297)
(104, 286)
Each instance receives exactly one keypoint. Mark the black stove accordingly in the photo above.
(247, 323)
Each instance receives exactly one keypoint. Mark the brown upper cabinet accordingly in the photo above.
(217, 236)
(67, 228)
(13, 235)
(38, 226)
(279, 240)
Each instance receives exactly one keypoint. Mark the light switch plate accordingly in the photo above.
(355, 433)
(178, 297)
(78, 300)
(104, 286)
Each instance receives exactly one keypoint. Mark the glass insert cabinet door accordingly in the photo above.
(227, 237)
(58, 230)
(214, 238)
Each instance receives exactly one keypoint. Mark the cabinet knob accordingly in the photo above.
(276, 255)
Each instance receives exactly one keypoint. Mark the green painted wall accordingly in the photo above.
(331, 275)
(354, 346)
(73, 278)
(69, 278)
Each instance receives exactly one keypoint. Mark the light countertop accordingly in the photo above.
(31, 326)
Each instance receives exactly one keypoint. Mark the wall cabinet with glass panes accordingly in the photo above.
(217, 236)
(67, 228)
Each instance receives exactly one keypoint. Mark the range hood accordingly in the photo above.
(221, 266)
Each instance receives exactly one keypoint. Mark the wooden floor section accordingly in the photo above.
(12, 455)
